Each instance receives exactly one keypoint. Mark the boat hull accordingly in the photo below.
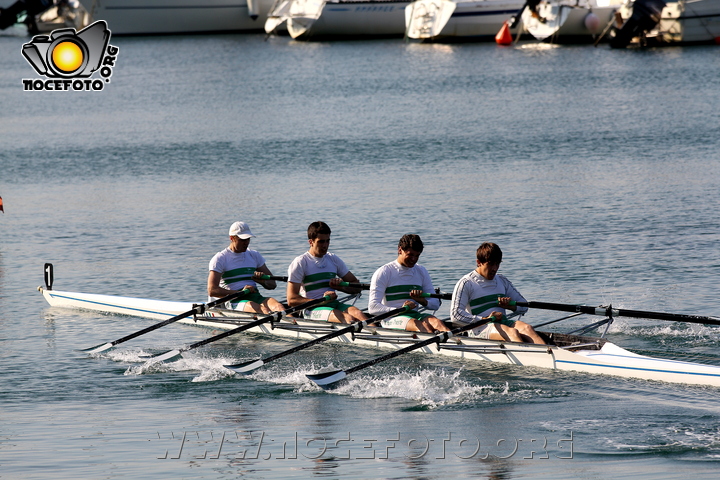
(567, 23)
(689, 23)
(477, 20)
(571, 353)
(349, 19)
(149, 17)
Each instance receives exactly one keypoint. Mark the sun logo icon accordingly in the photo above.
(67, 57)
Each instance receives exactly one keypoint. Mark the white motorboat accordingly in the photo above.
(148, 17)
(569, 21)
(306, 19)
(460, 20)
(565, 352)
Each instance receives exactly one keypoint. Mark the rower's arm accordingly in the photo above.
(378, 284)
(268, 284)
(460, 298)
(213, 286)
(293, 294)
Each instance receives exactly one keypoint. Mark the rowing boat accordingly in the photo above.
(567, 352)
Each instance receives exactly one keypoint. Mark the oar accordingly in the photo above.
(198, 309)
(273, 277)
(247, 367)
(616, 312)
(173, 354)
(444, 296)
(327, 379)
(363, 286)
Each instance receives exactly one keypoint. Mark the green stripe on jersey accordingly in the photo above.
(317, 281)
(400, 292)
(238, 274)
(316, 286)
(319, 276)
(479, 305)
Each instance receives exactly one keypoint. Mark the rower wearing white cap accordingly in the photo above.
(237, 268)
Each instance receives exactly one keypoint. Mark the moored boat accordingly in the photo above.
(316, 19)
(564, 352)
(277, 17)
(661, 23)
(459, 20)
(568, 21)
(149, 17)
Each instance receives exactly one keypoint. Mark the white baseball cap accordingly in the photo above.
(240, 229)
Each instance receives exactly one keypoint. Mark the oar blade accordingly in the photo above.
(170, 356)
(103, 347)
(328, 380)
(246, 368)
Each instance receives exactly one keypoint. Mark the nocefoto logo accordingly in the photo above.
(68, 59)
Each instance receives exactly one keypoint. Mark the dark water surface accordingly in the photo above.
(595, 170)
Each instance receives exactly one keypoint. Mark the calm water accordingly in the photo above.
(595, 170)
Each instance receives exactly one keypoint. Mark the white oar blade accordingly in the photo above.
(247, 367)
(328, 379)
(172, 355)
(98, 348)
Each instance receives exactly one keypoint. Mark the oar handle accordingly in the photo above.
(444, 296)
(609, 311)
(273, 277)
(362, 286)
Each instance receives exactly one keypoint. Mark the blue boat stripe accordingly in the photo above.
(115, 306)
(484, 14)
(638, 369)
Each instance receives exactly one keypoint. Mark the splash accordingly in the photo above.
(431, 388)
(127, 356)
(210, 369)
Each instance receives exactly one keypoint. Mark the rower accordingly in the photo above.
(236, 268)
(402, 282)
(318, 273)
(482, 292)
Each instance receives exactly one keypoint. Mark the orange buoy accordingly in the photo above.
(504, 37)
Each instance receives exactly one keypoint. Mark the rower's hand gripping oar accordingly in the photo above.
(328, 379)
(277, 316)
(196, 310)
(616, 312)
(248, 367)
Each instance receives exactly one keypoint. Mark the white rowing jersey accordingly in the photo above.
(391, 285)
(476, 297)
(314, 273)
(236, 269)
